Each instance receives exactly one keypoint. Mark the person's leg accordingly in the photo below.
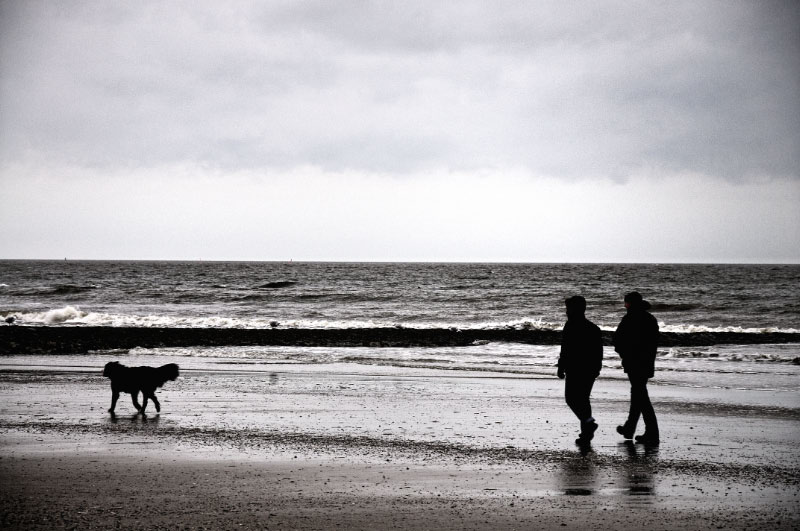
(648, 413)
(580, 391)
(572, 395)
(636, 403)
(588, 425)
(587, 390)
(577, 391)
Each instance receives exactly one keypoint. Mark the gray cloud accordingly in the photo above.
(562, 89)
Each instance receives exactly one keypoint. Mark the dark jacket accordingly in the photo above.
(636, 341)
(581, 348)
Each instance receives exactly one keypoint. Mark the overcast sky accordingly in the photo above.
(424, 131)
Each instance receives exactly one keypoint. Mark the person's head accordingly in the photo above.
(633, 299)
(576, 306)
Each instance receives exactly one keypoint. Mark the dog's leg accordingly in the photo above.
(114, 397)
(135, 399)
(144, 400)
(155, 401)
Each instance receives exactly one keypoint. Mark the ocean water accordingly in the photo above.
(754, 299)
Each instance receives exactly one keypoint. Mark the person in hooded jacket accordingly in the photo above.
(580, 362)
(636, 341)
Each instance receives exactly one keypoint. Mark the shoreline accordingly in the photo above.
(17, 339)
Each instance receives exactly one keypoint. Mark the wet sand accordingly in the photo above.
(354, 447)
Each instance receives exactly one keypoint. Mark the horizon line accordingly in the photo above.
(340, 261)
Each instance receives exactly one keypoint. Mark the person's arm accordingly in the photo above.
(562, 358)
(654, 335)
(598, 349)
(620, 338)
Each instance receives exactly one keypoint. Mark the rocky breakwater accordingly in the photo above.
(76, 339)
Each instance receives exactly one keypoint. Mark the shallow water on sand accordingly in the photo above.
(390, 403)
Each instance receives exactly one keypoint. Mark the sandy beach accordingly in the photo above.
(260, 446)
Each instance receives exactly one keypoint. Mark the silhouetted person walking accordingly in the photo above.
(636, 341)
(580, 362)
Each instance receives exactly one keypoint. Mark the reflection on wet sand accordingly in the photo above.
(135, 418)
(584, 475)
(637, 474)
(578, 476)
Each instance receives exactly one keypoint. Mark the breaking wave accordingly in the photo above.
(279, 284)
(72, 315)
(662, 307)
(57, 290)
(52, 317)
(752, 355)
(70, 289)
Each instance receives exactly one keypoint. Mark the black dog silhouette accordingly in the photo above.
(134, 379)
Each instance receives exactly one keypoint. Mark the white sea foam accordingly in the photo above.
(753, 353)
(71, 315)
(683, 328)
(61, 315)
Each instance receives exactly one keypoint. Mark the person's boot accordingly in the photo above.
(626, 431)
(650, 439)
(587, 432)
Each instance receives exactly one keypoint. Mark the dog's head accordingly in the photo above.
(111, 368)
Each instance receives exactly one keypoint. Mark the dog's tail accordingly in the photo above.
(166, 373)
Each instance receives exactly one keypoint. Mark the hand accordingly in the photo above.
(561, 373)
